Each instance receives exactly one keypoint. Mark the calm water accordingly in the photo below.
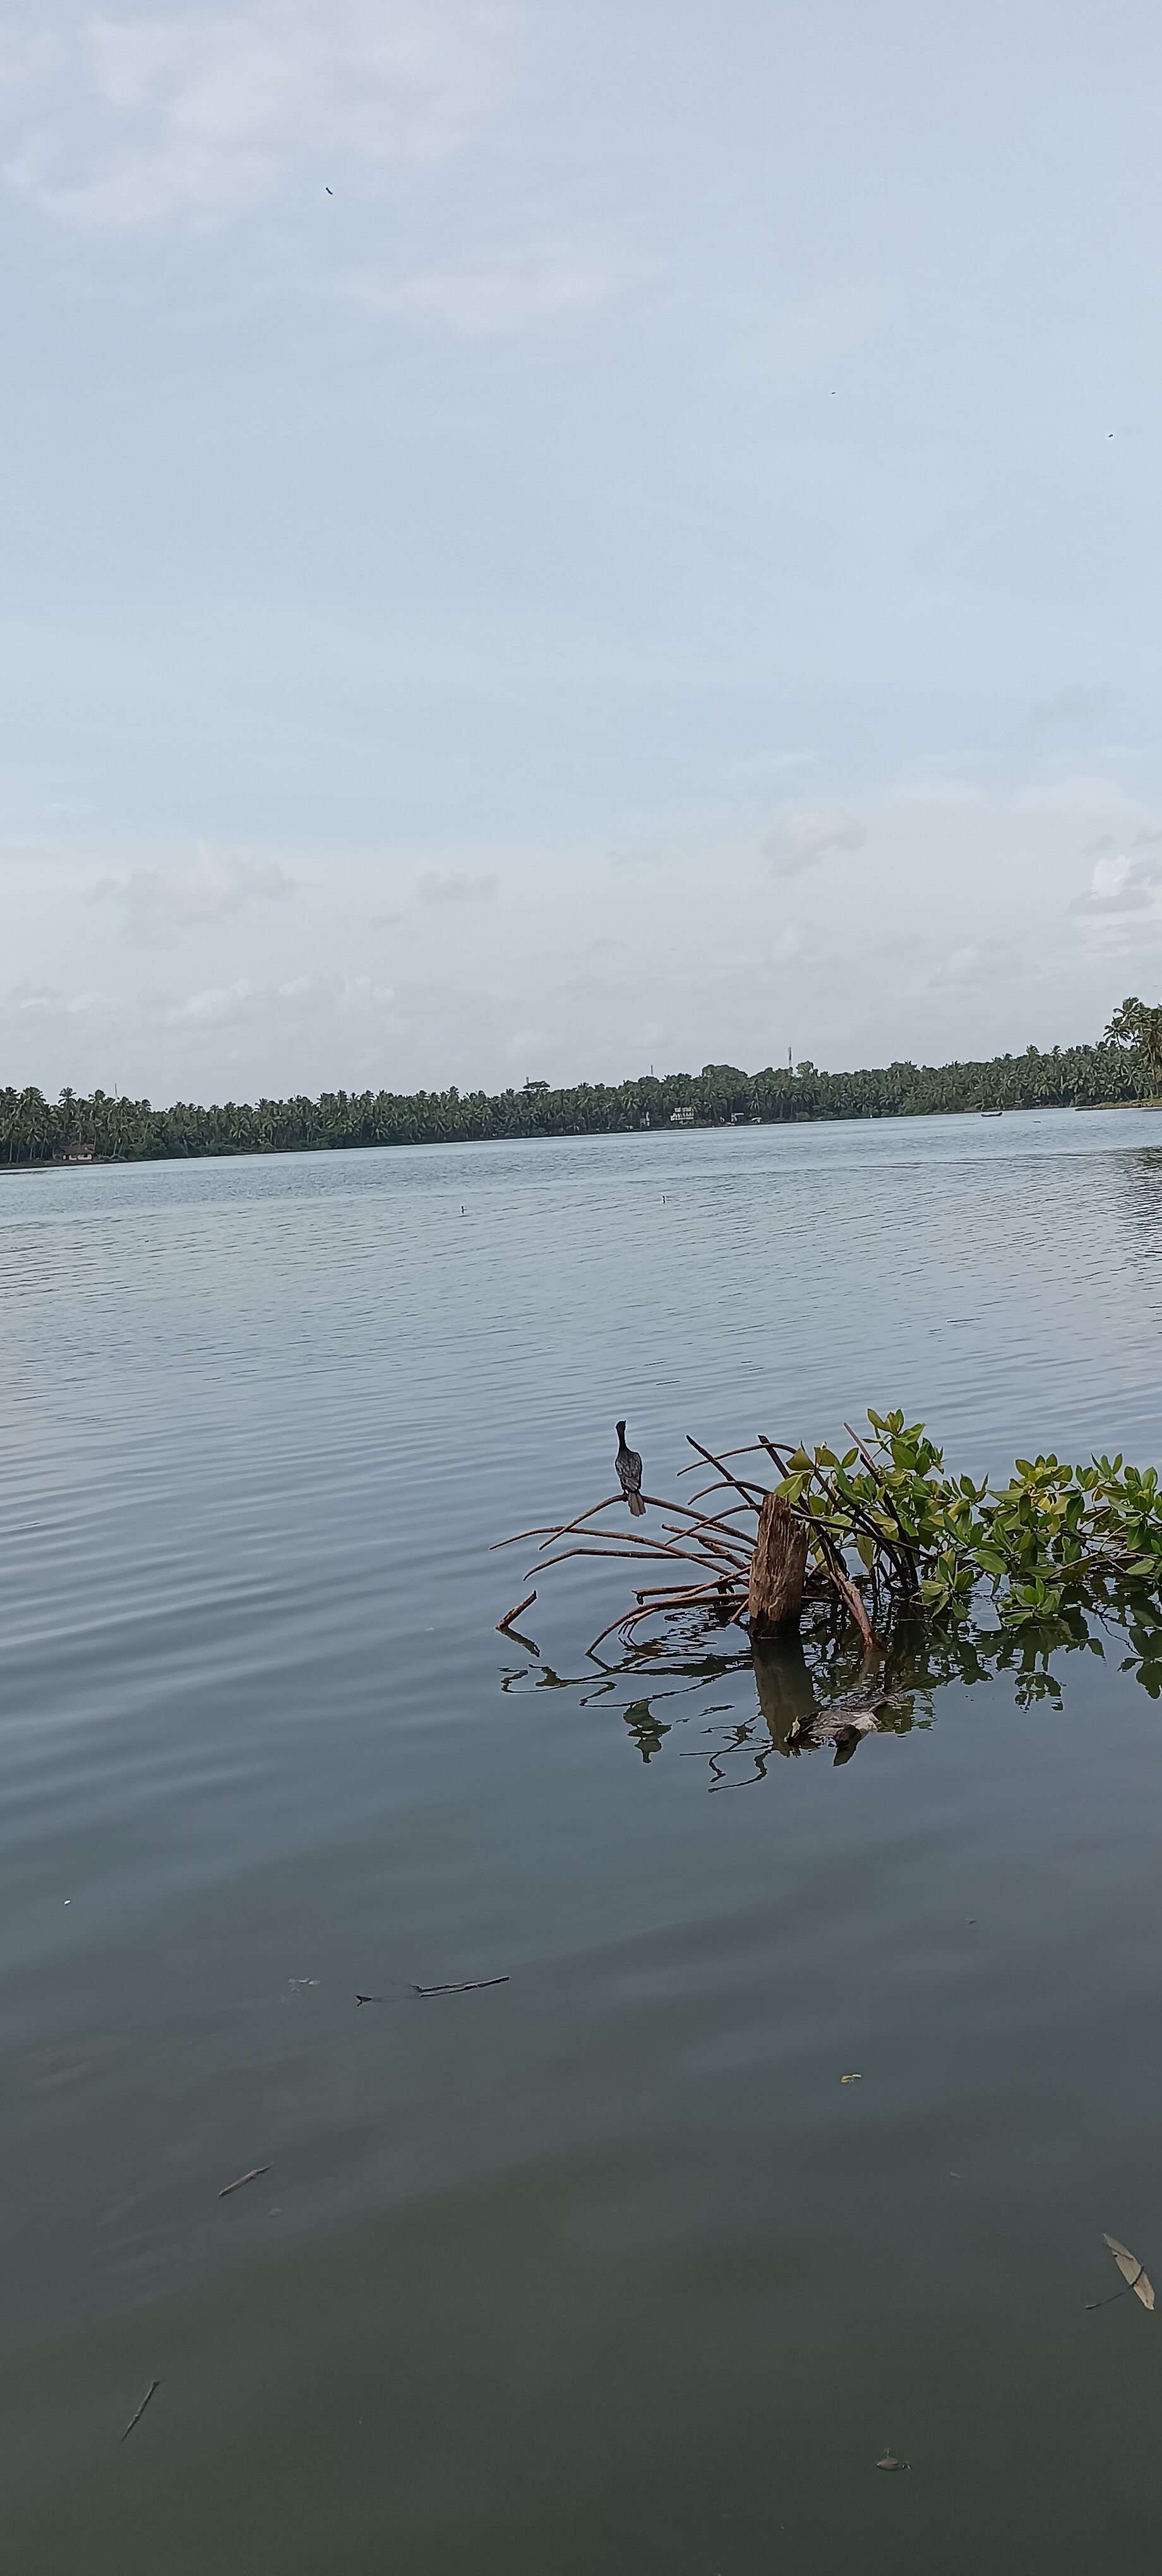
(600, 2272)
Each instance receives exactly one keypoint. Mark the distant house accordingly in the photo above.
(681, 1117)
(76, 1151)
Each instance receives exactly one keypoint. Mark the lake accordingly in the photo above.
(601, 2271)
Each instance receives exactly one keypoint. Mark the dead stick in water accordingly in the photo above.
(702, 1520)
(252, 2176)
(747, 1450)
(472, 1986)
(510, 1615)
(610, 1499)
(739, 1486)
(848, 1594)
(671, 1554)
(715, 1546)
(136, 2419)
(553, 1529)
(832, 1561)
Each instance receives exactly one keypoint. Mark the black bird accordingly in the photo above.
(629, 1473)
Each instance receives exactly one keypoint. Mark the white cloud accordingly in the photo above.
(1117, 887)
(159, 903)
(43, 1005)
(451, 885)
(1071, 706)
(1122, 908)
(197, 117)
(804, 837)
(976, 963)
(304, 1000)
(488, 299)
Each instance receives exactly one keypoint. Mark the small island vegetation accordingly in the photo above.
(925, 1572)
(1125, 1065)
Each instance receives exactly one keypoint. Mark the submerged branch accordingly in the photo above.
(1054, 1536)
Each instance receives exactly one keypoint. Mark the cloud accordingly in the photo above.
(487, 299)
(44, 1005)
(1123, 905)
(197, 117)
(977, 963)
(1073, 705)
(805, 836)
(160, 903)
(1119, 886)
(304, 1000)
(451, 885)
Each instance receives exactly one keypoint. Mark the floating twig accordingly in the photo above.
(471, 1986)
(136, 2419)
(252, 2176)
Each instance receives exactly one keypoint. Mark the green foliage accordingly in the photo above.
(1138, 1028)
(1050, 1538)
(34, 1130)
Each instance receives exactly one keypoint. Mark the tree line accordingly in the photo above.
(1125, 1065)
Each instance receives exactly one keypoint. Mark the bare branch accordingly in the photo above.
(510, 1615)
(739, 1488)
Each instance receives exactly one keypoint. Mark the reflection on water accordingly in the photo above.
(809, 1676)
(601, 2268)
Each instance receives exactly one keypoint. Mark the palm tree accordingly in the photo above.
(1135, 1024)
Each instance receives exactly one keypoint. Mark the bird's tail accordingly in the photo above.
(636, 1505)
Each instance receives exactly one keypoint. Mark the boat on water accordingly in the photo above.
(992, 1113)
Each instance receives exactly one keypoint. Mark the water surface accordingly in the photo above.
(602, 2269)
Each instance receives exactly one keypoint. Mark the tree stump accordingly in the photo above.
(777, 1568)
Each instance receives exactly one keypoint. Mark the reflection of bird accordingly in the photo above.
(842, 1725)
(629, 1472)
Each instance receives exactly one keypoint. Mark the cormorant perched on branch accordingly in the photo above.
(629, 1472)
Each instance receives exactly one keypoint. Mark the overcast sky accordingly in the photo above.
(660, 564)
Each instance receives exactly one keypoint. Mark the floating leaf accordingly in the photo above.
(1131, 2271)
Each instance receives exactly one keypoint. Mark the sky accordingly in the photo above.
(540, 538)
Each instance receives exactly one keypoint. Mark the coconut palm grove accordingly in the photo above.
(1125, 1065)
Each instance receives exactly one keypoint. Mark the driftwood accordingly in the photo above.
(136, 2419)
(253, 2176)
(751, 1576)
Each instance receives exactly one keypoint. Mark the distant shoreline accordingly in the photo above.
(36, 1134)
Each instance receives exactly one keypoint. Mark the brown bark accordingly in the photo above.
(515, 1612)
(847, 1592)
(777, 1568)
